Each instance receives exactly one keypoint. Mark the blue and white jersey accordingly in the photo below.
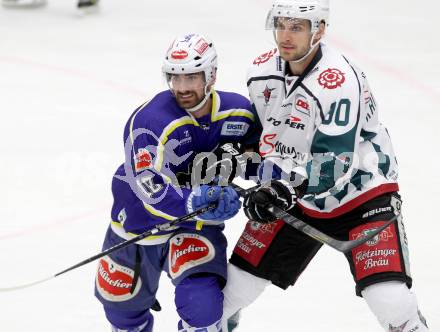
(161, 139)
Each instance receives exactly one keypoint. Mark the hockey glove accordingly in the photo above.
(279, 193)
(226, 198)
(224, 164)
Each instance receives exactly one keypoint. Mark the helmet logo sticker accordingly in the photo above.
(201, 46)
(331, 78)
(179, 55)
(187, 38)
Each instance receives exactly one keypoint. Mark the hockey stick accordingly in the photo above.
(342, 246)
(155, 230)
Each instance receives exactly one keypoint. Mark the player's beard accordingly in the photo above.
(294, 54)
(188, 99)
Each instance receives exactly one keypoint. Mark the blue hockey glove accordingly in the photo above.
(278, 192)
(226, 198)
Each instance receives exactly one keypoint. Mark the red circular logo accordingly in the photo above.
(331, 78)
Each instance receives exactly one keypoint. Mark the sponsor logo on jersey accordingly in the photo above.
(377, 211)
(371, 103)
(265, 57)
(378, 255)
(187, 251)
(302, 105)
(385, 235)
(283, 149)
(143, 160)
(205, 126)
(331, 78)
(201, 46)
(267, 95)
(179, 55)
(187, 139)
(263, 228)
(293, 122)
(114, 282)
(234, 128)
(255, 240)
(266, 144)
(122, 216)
(252, 241)
(367, 96)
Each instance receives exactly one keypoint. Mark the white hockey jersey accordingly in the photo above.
(323, 125)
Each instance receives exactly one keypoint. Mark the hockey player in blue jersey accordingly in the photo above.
(162, 138)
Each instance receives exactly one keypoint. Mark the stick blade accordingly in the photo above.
(27, 285)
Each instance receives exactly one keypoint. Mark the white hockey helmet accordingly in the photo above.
(316, 11)
(191, 53)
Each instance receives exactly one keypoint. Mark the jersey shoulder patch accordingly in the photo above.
(331, 78)
(267, 64)
(335, 72)
(334, 78)
(265, 57)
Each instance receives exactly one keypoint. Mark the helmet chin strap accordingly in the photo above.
(202, 102)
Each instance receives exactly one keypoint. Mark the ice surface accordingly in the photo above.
(67, 86)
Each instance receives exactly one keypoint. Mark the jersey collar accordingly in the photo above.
(309, 68)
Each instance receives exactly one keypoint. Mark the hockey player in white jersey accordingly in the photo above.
(328, 161)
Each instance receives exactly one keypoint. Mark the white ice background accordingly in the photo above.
(68, 83)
